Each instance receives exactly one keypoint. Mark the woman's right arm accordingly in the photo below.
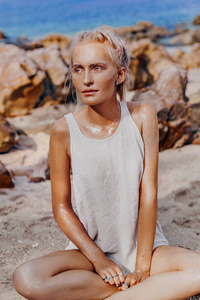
(61, 201)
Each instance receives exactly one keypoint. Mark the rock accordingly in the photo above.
(26, 44)
(176, 129)
(49, 59)
(58, 39)
(145, 24)
(29, 157)
(5, 177)
(196, 20)
(139, 75)
(181, 27)
(187, 38)
(191, 59)
(193, 85)
(143, 29)
(41, 119)
(196, 138)
(156, 56)
(167, 95)
(195, 97)
(174, 78)
(178, 53)
(2, 35)
(21, 82)
(195, 114)
(8, 135)
(170, 87)
(156, 33)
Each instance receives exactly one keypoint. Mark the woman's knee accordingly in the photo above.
(27, 283)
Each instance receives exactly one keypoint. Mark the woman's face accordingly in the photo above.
(94, 74)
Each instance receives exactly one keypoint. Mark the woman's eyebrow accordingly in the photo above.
(91, 65)
(76, 65)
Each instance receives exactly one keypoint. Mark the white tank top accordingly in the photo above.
(106, 180)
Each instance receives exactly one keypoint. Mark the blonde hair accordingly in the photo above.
(116, 48)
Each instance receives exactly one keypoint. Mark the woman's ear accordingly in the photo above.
(121, 75)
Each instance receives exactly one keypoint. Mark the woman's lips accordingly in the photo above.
(89, 92)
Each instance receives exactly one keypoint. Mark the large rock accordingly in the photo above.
(29, 157)
(8, 135)
(2, 35)
(21, 82)
(139, 75)
(143, 29)
(58, 39)
(49, 59)
(196, 20)
(191, 59)
(156, 56)
(27, 44)
(167, 95)
(41, 119)
(187, 38)
(5, 177)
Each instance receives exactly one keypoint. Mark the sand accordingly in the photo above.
(28, 229)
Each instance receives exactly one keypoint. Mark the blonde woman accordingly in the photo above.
(117, 249)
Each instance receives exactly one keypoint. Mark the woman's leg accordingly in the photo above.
(59, 276)
(175, 275)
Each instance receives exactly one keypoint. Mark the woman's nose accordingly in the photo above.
(88, 79)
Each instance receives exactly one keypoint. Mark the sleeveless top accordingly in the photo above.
(106, 179)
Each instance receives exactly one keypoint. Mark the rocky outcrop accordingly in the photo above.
(21, 82)
(143, 29)
(23, 42)
(29, 157)
(5, 177)
(8, 135)
(167, 95)
(57, 39)
(139, 75)
(187, 38)
(191, 59)
(2, 35)
(155, 56)
(49, 60)
(196, 20)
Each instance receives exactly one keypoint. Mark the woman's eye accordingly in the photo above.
(97, 68)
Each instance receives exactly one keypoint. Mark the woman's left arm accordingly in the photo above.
(147, 218)
(148, 190)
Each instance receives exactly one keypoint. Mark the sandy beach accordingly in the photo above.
(28, 229)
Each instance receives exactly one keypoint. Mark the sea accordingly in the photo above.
(37, 18)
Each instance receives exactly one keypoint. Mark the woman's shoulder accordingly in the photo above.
(143, 114)
(60, 131)
(142, 110)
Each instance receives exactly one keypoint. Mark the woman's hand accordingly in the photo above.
(133, 278)
(109, 271)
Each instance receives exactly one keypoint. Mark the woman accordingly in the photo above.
(117, 248)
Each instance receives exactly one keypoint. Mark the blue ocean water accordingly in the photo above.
(36, 18)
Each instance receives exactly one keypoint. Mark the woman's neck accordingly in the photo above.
(104, 113)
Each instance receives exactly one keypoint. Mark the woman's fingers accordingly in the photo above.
(126, 284)
(130, 280)
(121, 276)
(114, 277)
(133, 281)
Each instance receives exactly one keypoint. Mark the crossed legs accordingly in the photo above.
(62, 275)
(175, 275)
(68, 275)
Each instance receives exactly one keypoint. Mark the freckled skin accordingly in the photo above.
(92, 68)
(169, 273)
